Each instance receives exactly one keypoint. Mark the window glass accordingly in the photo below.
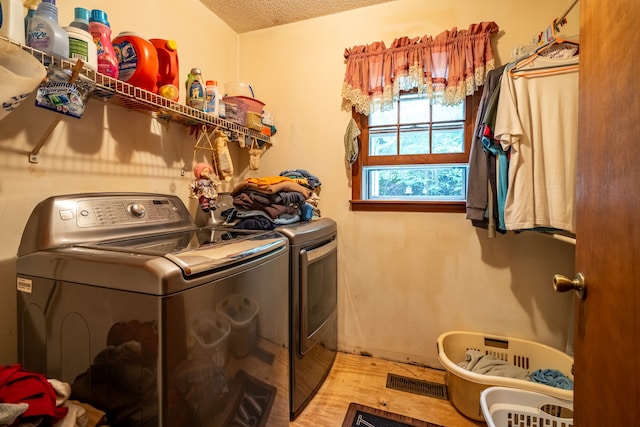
(433, 182)
(415, 152)
(448, 138)
(414, 109)
(414, 140)
(389, 117)
(383, 141)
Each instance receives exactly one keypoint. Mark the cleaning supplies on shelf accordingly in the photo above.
(82, 47)
(195, 87)
(45, 33)
(31, 10)
(81, 18)
(101, 32)
(137, 60)
(168, 80)
(212, 98)
(11, 20)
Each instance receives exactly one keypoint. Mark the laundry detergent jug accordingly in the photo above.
(137, 60)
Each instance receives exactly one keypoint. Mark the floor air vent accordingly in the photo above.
(412, 385)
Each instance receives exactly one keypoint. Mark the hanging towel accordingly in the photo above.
(553, 378)
(351, 142)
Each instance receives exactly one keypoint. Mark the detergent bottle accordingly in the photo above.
(195, 97)
(45, 33)
(212, 98)
(11, 20)
(101, 32)
(168, 81)
(80, 18)
(137, 60)
(31, 11)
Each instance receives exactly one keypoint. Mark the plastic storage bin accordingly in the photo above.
(235, 110)
(241, 312)
(510, 407)
(464, 386)
(208, 337)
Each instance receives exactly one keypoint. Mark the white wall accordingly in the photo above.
(109, 148)
(404, 278)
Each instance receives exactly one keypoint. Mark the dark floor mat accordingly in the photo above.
(252, 401)
(365, 416)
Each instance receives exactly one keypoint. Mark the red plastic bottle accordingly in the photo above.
(137, 60)
(168, 80)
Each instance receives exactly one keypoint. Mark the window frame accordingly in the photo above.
(358, 204)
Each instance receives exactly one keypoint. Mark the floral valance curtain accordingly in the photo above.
(446, 68)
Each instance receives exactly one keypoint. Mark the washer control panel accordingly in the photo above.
(62, 221)
(92, 213)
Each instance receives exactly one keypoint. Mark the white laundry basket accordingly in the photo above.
(241, 313)
(464, 386)
(510, 407)
(20, 74)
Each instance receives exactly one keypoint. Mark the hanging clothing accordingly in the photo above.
(537, 121)
(480, 168)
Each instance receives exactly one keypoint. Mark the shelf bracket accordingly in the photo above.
(33, 155)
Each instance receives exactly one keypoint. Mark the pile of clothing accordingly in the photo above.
(487, 364)
(264, 203)
(29, 399)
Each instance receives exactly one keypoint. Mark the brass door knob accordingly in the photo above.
(563, 284)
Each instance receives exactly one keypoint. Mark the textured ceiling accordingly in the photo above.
(249, 15)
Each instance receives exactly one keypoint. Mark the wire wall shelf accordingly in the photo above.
(122, 94)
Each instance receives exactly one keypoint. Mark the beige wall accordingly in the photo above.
(404, 278)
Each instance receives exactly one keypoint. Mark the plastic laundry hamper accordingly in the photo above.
(241, 312)
(510, 407)
(208, 337)
(464, 386)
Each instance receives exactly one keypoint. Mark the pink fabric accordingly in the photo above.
(449, 67)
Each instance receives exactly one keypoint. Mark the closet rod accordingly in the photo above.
(564, 15)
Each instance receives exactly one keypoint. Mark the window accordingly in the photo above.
(414, 157)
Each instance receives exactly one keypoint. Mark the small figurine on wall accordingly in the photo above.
(203, 187)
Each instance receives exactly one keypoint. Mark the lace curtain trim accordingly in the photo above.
(445, 69)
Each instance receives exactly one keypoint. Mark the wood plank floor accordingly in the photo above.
(363, 380)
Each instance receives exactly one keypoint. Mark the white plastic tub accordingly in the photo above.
(510, 407)
(241, 312)
(464, 386)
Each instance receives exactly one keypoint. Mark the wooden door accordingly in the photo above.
(607, 326)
